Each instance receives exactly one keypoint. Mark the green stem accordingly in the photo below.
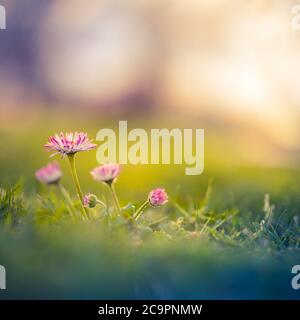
(140, 210)
(115, 197)
(101, 203)
(76, 182)
(68, 199)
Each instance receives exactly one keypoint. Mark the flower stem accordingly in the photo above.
(115, 197)
(101, 203)
(71, 158)
(68, 199)
(140, 210)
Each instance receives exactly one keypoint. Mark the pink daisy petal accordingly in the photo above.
(69, 143)
(106, 173)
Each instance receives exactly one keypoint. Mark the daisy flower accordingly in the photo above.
(69, 143)
(106, 173)
(50, 174)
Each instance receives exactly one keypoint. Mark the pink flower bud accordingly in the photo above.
(90, 200)
(158, 197)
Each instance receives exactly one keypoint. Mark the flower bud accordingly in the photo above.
(90, 200)
(158, 197)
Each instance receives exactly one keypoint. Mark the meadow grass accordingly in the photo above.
(232, 232)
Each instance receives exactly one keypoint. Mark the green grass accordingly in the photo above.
(187, 249)
(220, 235)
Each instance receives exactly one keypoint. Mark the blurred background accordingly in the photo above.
(230, 67)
